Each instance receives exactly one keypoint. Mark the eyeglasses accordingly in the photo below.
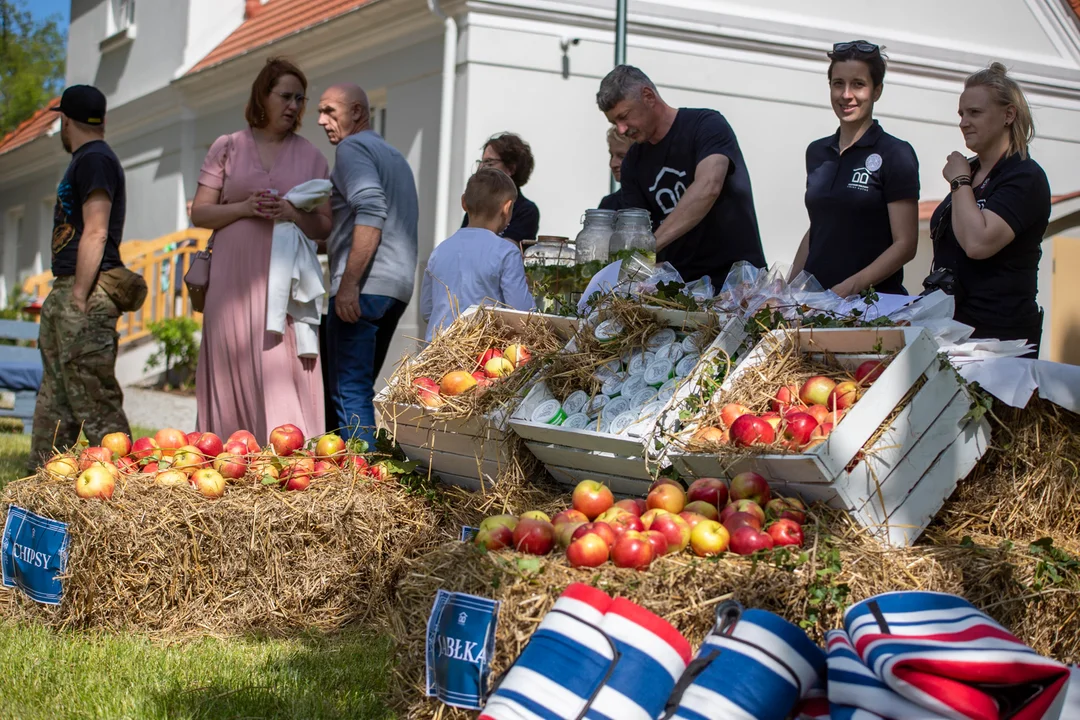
(300, 98)
(488, 163)
(863, 47)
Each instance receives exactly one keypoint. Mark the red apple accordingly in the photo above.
(592, 498)
(667, 497)
(632, 550)
(708, 490)
(517, 354)
(675, 529)
(251, 445)
(286, 439)
(118, 443)
(663, 481)
(496, 532)
(456, 383)
(648, 516)
(358, 464)
(208, 482)
(377, 472)
(868, 372)
(599, 528)
(231, 467)
(800, 426)
(821, 432)
(127, 465)
(626, 522)
(488, 354)
(209, 444)
(784, 397)
(709, 538)
(750, 486)
(192, 437)
(815, 391)
(774, 420)
(748, 540)
(188, 459)
(736, 520)
(323, 468)
(536, 515)
(750, 429)
(535, 537)
(569, 516)
(94, 454)
(146, 448)
(692, 518)
(710, 437)
(786, 509)
(843, 396)
(331, 448)
(498, 367)
(658, 541)
(298, 481)
(150, 468)
(170, 440)
(635, 506)
(589, 550)
(427, 392)
(564, 533)
(700, 507)
(786, 532)
(819, 413)
(748, 506)
(732, 412)
(96, 481)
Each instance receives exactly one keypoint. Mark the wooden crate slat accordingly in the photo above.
(561, 456)
(498, 450)
(391, 414)
(463, 465)
(585, 440)
(802, 468)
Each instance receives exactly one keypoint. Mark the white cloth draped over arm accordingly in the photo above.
(295, 286)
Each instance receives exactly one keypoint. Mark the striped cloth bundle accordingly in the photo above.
(754, 665)
(925, 656)
(592, 657)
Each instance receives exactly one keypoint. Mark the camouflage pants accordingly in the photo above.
(79, 389)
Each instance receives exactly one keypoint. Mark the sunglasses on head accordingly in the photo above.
(863, 47)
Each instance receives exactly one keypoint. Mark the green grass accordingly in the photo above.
(62, 675)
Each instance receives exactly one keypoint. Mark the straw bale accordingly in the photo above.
(169, 562)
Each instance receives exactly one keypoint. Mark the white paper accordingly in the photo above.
(604, 281)
(1014, 380)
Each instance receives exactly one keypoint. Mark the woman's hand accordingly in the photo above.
(271, 207)
(846, 288)
(956, 166)
(251, 205)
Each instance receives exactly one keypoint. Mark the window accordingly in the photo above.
(377, 103)
(121, 26)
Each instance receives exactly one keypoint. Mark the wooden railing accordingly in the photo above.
(157, 261)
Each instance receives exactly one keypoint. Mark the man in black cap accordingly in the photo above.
(78, 337)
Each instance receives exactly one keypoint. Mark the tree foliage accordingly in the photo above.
(31, 63)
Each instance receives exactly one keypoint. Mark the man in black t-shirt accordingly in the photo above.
(78, 338)
(686, 168)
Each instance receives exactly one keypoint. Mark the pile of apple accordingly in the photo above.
(708, 518)
(800, 418)
(204, 461)
(491, 366)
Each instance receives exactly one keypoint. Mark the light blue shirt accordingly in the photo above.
(472, 267)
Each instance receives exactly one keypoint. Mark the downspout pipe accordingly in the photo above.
(446, 119)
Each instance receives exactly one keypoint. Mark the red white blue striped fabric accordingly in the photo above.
(592, 657)
(815, 706)
(940, 657)
(758, 669)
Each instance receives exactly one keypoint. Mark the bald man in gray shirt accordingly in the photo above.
(372, 253)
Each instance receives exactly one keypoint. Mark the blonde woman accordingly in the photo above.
(988, 233)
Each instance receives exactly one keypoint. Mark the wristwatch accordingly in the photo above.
(959, 182)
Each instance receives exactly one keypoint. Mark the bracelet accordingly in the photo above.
(960, 181)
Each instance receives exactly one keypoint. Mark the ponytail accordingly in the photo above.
(1006, 91)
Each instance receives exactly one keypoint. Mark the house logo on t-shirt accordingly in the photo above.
(668, 196)
(860, 180)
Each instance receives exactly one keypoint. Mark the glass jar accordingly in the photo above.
(595, 237)
(550, 250)
(633, 231)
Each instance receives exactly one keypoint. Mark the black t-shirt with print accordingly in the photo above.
(847, 197)
(656, 176)
(997, 294)
(93, 167)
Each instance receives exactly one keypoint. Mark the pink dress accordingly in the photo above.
(247, 378)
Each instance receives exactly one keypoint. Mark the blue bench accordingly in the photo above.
(20, 371)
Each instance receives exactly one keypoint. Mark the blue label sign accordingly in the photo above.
(468, 533)
(33, 554)
(460, 643)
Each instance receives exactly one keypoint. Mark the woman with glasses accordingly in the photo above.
(248, 378)
(862, 186)
(988, 232)
(512, 155)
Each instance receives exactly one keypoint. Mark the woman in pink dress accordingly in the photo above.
(248, 378)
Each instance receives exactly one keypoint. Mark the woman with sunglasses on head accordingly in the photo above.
(509, 153)
(988, 233)
(248, 378)
(862, 186)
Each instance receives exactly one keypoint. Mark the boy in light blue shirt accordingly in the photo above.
(474, 265)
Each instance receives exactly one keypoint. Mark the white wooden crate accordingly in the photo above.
(895, 487)
(572, 455)
(471, 452)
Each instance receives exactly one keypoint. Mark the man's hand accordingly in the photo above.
(845, 289)
(81, 304)
(347, 300)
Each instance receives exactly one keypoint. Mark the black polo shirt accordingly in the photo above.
(847, 197)
(997, 294)
(614, 201)
(656, 176)
(94, 166)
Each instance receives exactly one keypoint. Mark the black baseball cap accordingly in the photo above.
(84, 103)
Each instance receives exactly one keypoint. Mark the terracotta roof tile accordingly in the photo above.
(927, 207)
(277, 19)
(37, 125)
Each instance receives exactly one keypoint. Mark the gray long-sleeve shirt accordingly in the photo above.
(374, 186)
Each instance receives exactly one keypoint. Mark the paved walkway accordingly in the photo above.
(154, 409)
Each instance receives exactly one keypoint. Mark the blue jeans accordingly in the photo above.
(354, 356)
